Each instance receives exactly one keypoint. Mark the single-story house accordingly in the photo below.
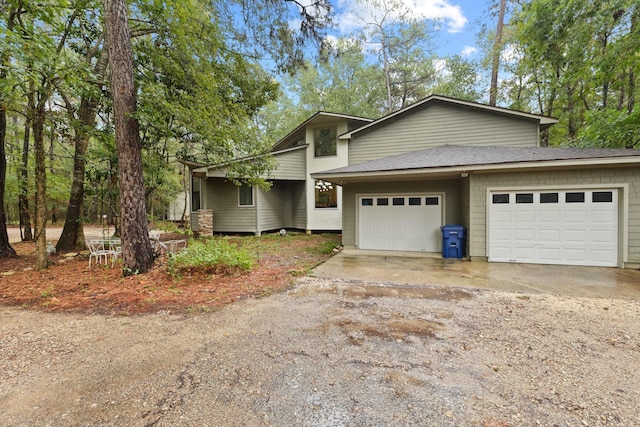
(392, 183)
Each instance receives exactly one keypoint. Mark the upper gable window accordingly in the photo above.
(245, 195)
(324, 141)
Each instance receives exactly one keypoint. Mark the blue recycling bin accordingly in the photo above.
(453, 240)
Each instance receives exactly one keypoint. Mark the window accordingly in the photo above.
(326, 194)
(383, 201)
(524, 197)
(548, 197)
(324, 141)
(415, 201)
(195, 193)
(602, 197)
(431, 201)
(574, 197)
(245, 195)
(398, 201)
(500, 199)
(367, 202)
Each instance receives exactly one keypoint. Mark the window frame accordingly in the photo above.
(317, 148)
(253, 198)
(316, 192)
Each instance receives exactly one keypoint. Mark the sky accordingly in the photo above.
(460, 20)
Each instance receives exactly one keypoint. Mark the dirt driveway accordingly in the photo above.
(330, 353)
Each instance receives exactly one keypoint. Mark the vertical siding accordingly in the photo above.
(438, 124)
(558, 179)
(452, 190)
(291, 165)
(228, 217)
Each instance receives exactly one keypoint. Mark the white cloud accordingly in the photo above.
(468, 51)
(451, 15)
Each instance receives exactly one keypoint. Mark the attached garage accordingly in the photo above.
(564, 226)
(400, 222)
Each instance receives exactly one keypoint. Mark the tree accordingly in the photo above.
(496, 52)
(577, 61)
(137, 252)
(5, 247)
(402, 43)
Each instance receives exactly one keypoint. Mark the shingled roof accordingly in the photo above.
(450, 156)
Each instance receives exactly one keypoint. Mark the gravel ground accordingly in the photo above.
(331, 353)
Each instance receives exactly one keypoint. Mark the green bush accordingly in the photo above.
(211, 256)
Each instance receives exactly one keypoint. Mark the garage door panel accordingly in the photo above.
(575, 237)
(574, 227)
(550, 236)
(407, 223)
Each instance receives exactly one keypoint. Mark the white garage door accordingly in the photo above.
(400, 223)
(568, 227)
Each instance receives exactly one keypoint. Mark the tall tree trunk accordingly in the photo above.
(5, 247)
(495, 54)
(72, 236)
(23, 180)
(41, 186)
(137, 253)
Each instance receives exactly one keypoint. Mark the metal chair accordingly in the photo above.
(98, 251)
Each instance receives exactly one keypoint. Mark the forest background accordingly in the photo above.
(219, 80)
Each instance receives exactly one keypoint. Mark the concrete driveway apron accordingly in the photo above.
(432, 269)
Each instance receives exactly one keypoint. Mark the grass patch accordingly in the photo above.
(214, 255)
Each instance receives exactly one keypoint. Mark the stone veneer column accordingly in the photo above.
(205, 222)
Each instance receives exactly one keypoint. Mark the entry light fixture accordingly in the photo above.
(464, 174)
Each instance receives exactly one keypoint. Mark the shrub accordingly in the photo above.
(211, 256)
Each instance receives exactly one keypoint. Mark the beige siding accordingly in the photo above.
(452, 190)
(298, 206)
(228, 217)
(439, 124)
(291, 165)
(275, 207)
(282, 206)
(558, 179)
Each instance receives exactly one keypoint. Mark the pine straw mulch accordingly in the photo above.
(71, 285)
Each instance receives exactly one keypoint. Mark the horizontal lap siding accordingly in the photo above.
(291, 165)
(558, 179)
(452, 203)
(440, 124)
(228, 217)
(274, 207)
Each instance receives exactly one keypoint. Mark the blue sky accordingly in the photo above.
(459, 17)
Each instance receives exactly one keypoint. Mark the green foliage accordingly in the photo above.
(213, 255)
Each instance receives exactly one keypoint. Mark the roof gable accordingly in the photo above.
(543, 121)
(293, 138)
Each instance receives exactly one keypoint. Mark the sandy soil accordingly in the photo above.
(330, 353)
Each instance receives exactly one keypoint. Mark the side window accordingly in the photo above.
(324, 141)
(245, 195)
(326, 194)
(195, 193)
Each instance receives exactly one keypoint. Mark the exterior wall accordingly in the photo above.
(438, 124)
(324, 218)
(291, 164)
(281, 206)
(616, 178)
(221, 196)
(453, 200)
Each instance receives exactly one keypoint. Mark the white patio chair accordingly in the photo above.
(98, 251)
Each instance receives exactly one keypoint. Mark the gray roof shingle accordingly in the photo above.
(457, 155)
